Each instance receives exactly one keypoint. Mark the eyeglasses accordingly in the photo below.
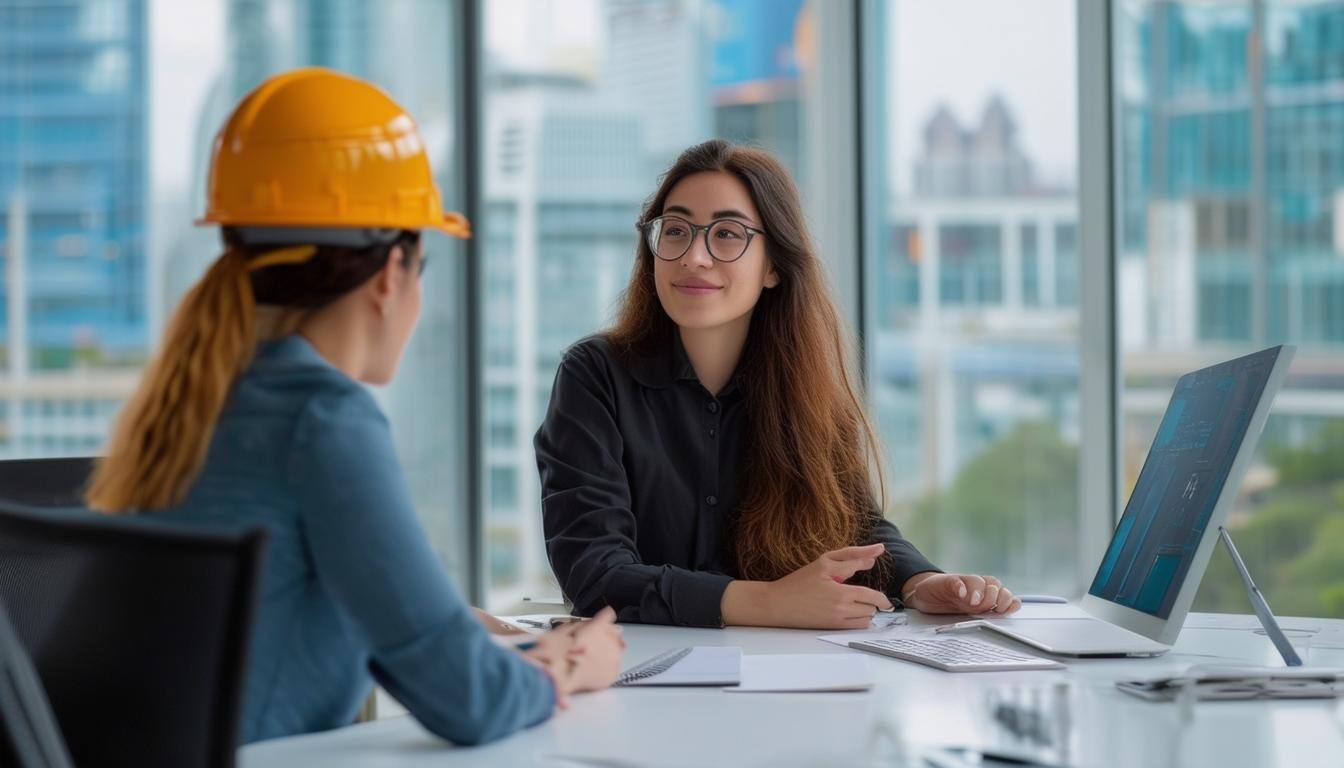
(670, 237)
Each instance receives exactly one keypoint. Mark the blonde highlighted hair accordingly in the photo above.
(161, 437)
(163, 433)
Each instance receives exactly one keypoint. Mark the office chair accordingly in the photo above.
(45, 482)
(138, 630)
(29, 737)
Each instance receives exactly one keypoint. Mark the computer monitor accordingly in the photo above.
(1159, 551)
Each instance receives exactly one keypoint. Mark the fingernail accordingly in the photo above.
(961, 591)
(975, 597)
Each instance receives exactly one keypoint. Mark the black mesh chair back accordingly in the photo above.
(138, 630)
(45, 482)
(29, 736)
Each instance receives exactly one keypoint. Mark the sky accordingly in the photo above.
(186, 55)
(962, 51)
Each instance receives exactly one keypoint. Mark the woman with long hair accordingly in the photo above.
(707, 460)
(253, 413)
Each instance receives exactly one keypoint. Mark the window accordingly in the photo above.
(1229, 128)
(584, 106)
(1228, 200)
(90, 189)
(972, 292)
(1031, 266)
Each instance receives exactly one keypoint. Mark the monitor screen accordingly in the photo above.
(1182, 479)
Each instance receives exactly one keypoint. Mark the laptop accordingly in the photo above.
(1151, 570)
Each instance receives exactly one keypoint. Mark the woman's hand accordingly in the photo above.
(958, 593)
(597, 651)
(495, 625)
(581, 656)
(812, 597)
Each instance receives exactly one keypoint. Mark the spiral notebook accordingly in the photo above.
(700, 665)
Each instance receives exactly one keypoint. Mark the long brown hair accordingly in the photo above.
(811, 451)
(163, 432)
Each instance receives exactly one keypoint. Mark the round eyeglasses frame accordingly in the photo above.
(651, 227)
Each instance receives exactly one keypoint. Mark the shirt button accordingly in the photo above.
(713, 407)
(711, 500)
(713, 432)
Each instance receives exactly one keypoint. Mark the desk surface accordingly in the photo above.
(1078, 709)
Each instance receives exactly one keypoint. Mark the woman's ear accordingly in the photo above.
(771, 278)
(386, 282)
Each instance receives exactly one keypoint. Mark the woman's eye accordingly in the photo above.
(727, 234)
(674, 231)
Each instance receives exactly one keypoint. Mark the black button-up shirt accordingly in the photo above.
(640, 475)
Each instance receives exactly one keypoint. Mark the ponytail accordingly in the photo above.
(161, 437)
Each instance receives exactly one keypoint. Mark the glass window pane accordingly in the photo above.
(586, 102)
(972, 325)
(96, 222)
(1230, 202)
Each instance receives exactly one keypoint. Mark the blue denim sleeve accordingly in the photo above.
(370, 552)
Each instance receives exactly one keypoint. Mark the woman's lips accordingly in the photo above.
(696, 288)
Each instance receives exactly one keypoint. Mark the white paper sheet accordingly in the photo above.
(799, 672)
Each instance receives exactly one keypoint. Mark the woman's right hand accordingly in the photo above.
(581, 655)
(597, 651)
(812, 597)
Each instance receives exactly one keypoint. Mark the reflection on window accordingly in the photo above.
(1230, 201)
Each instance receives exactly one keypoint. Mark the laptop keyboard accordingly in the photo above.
(955, 654)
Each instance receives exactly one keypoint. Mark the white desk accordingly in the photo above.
(910, 706)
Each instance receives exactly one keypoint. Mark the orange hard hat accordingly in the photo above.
(318, 148)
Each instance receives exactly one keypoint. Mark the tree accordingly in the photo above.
(1012, 511)
(1294, 544)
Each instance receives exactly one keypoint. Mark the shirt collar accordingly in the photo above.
(290, 350)
(663, 367)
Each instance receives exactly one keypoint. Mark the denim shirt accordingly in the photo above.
(351, 591)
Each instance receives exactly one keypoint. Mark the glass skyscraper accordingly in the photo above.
(73, 101)
(1233, 172)
(73, 166)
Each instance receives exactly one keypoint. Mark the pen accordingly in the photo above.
(959, 625)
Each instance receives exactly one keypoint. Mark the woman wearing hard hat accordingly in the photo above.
(253, 413)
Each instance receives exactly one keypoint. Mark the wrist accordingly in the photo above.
(910, 589)
(559, 668)
(749, 603)
(562, 687)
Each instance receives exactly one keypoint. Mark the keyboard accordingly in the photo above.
(955, 654)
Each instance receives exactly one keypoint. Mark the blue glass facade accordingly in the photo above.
(73, 101)
(1257, 155)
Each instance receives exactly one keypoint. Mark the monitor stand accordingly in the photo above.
(1261, 607)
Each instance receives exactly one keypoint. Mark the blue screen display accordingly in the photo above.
(1150, 554)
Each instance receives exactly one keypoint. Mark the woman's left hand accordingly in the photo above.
(495, 625)
(958, 593)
